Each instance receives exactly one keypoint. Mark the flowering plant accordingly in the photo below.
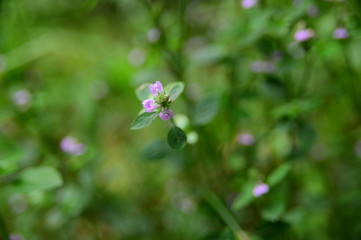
(156, 101)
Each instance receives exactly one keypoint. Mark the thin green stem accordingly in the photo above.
(226, 216)
(4, 233)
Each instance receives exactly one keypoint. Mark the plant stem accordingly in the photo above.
(225, 214)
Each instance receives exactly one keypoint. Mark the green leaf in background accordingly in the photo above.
(295, 108)
(143, 120)
(273, 88)
(278, 174)
(155, 150)
(306, 137)
(245, 196)
(174, 90)
(273, 210)
(206, 109)
(227, 234)
(177, 139)
(143, 91)
(38, 178)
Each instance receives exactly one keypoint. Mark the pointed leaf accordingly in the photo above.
(143, 91)
(37, 179)
(177, 139)
(174, 90)
(143, 120)
(156, 150)
(206, 109)
(245, 196)
(278, 174)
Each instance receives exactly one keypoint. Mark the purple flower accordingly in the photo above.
(313, 11)
(303, 35)
(150, 105)
(71, 146)
(16, 236)
(260, 189)
(245, 139)
(153, 35)
(21, 97)
(340, 33)
(249, 3)
(156, 88)
(166, 114)
(137, 57)
(358, 149)
(263, 67)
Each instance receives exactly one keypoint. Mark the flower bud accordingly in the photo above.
(166, 114)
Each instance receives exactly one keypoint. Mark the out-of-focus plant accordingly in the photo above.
(261, 112)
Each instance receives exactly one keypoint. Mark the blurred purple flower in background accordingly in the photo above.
(260, 189)
(166, 114)
(137, 57)
(340, 33)
(71, 146)
(16, 236)
(358, 149)
(263, 67)
(153, 35)
(303, 35)
(156, 88)
(313, 11)
(150, 105)
(248, 3)
(21, 97)
(18, 203)
(297, 2)
(276, 55)
(100, 89)
(245, 139)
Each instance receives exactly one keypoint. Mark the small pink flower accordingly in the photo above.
(260, 189)
(21, 97)
(150, 105)
(340, 33)
(166, 114)
(249, 3)
(303, 35)
(263, 67)
(71, 146)
(156, 88)
(245, 139)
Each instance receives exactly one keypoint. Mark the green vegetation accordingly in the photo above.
(265, 142)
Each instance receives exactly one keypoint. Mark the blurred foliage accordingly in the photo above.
(259, 106)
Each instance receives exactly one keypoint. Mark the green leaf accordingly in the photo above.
(227, 234)
(38, 178)
(177, 139)
(279, 174)
(174, 90)
(143, 120)
(156, 150)
(206, 109)
(143, 91)
(245, 197)
(273, 211)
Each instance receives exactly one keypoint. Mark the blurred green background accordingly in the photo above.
(272, 95)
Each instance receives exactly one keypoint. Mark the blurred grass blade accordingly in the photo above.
(279, 174)
(206, 109)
